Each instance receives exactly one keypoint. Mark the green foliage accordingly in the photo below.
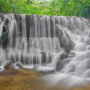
(2, 38)
(43, 7)
(5, 7)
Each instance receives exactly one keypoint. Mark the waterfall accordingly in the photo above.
(31, 40)
(40, 42)
(75, 69)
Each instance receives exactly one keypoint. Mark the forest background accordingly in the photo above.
(79, 8)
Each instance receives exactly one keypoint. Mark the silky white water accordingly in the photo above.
(77, 71)
(38, 42)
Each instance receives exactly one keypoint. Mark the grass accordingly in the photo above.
(28, 80)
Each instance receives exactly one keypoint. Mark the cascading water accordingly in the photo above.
(40, 41)
(32, 40)
(75, 69)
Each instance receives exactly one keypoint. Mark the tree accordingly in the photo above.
(49, 7)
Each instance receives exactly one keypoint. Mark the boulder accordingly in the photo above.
(8, 66)
(65, 41)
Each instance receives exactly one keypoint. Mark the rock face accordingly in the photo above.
(65, 40)
(4, 34)
(66, 43)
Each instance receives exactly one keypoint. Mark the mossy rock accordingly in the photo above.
(8, 66)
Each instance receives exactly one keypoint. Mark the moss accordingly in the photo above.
(8, 66)
(23, 80)
(2, 38)
(28, 80)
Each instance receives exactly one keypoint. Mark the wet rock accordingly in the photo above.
(5, 32)
(43, 54)
(8, 66)
(64, 39)
(35, 60)
(18, 64)
(61, 61)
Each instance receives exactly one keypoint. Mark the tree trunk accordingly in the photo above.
(56, 9)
